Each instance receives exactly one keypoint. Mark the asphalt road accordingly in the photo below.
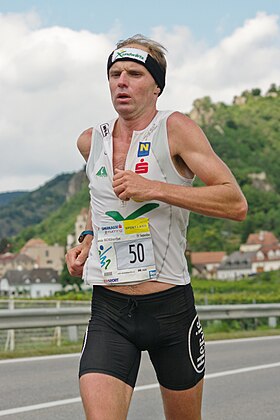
(242, 383)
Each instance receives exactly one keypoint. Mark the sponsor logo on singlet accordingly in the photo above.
(196, 345)
(114, 280)
(144, 149)
(141, 167)
(115, 215)
(104, 260)
(153, 274)
(102, 172)
(104, 129)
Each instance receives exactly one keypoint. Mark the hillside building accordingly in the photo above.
(205, 264)
(260, 253)
(44, 255)
(35, 283)
(235, 266)
(9, 261)
(80, 224)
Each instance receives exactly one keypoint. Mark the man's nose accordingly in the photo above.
(123, 79)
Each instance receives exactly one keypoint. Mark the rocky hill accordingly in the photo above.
(246, 135)
(31, 208)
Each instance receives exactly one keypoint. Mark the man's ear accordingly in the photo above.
(157, 90)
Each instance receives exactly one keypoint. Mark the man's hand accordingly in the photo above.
(76, 257)
(128, 184)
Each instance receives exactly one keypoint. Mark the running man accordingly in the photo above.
(141, 167)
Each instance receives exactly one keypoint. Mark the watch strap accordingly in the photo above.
(84, 233)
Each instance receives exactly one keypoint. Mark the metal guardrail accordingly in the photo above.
(38, 318)
(52, 317)
(238, 311)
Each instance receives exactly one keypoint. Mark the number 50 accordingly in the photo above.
(137, 252)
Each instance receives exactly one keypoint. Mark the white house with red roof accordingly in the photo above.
(35, 283)
(205, 264)
(260, 253)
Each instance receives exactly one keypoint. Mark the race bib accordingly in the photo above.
(126, 251)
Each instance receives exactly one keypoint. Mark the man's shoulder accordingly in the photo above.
(86, 134)
(84, 142)
(178, 120)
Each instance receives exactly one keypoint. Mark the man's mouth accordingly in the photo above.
(123, 96)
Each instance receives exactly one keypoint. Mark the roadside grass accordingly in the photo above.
(41, 350)
(241, 334)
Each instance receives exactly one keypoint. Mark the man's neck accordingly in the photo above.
(125, 126)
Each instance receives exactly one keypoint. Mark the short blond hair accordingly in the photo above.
(155, 49)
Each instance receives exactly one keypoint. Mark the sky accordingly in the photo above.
(53, 68)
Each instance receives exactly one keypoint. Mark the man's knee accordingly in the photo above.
(183, 405)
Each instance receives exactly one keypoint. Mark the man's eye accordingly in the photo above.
(115, 74)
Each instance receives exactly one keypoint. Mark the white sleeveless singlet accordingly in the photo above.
(149, 156)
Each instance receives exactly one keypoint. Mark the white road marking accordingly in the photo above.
(244, 340)
(39, 406)
(39, 358)
(138, 388)
(145, 387)
(241, 370)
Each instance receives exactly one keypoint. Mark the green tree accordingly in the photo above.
(4, 245)
(256, 92)
(273, 88)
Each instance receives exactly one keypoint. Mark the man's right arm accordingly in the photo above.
(76, 257)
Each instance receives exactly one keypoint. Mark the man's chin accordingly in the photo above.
(123, 108)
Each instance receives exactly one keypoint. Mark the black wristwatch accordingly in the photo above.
(85, 233)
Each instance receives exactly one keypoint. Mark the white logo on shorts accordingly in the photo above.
(196, 345)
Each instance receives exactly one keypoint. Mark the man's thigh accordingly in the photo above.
(105, 351)
(108, 370)
(179, 358)
(104, 397)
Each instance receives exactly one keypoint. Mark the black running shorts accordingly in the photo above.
(164, 323)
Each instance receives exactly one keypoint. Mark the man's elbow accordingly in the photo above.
(241, 211)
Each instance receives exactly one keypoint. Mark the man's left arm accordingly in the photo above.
(220, 197)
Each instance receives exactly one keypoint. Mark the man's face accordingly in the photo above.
(132, 87)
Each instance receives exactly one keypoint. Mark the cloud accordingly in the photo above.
(249, 57)
(53, 85)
